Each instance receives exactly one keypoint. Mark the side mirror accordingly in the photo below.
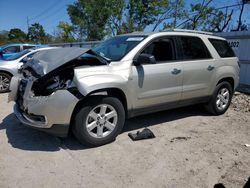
(144, 59)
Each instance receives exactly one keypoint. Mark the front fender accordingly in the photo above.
(10, 67)
(88, 84)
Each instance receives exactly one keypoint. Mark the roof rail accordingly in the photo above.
(190, 31)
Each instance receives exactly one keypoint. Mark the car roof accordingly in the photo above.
(43, 48)
(138, 33)
(23, 44)
(175, 32)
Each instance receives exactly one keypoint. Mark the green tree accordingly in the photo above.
(203, 16)
(218, 21)
(3, 37)
(173, 15)
(198, 15)
(17, 35)
(90, 18)
(240, 25)
(141, 13)
(48, 38)
(65, 32)
(115, 21)
(36, 33)
(93, 20)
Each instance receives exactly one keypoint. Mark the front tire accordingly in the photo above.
(4, 82)
(99, 120)
(221, 99)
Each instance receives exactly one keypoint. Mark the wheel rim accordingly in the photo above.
(101, 121)
(222, 99)
(4, 83)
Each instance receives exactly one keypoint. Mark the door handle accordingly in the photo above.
(176, 71)
(210, 67)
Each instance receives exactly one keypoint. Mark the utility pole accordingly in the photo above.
(28, 25)
(175, 13)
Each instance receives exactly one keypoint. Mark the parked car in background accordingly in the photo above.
(9, 67)
(12, 49)
(93, 91)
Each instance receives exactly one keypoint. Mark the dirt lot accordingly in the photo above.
(191, 149)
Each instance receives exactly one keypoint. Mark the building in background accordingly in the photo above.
(240, 42)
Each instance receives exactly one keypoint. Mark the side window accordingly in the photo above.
(27, 47)
(193, 48)
(162, 50)
(11, 49)
(222, 47)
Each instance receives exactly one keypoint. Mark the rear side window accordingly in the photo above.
(193, 48)
(222, 47)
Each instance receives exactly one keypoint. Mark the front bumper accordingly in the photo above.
(54, 109)
(57, 130)
(48, 113)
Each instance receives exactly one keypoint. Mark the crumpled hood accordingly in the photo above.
(46, 61)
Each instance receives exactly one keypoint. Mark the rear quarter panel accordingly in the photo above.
(227, 67)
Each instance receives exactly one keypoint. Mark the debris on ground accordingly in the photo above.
(247, 145)
(179, 138)
(241, 102)
(144, 134)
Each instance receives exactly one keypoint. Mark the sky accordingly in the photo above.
(16, 13)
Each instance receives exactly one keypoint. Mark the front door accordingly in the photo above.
(157, 84)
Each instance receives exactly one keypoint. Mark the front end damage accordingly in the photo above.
(45, 94)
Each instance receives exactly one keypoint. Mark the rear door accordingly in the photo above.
(160, 83)
(198, 67)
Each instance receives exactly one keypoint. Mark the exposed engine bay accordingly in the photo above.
(44, 84)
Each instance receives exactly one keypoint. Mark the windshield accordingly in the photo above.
(116, 48)
(18, 55)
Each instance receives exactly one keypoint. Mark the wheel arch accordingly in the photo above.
(230, 80)
(112, 92)
(6, 72)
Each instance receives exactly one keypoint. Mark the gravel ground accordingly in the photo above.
(191, 149)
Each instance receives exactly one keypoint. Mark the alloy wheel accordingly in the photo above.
(4, 83)
(223, 98)
(101, 120)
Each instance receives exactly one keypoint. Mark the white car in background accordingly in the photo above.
(9, 67)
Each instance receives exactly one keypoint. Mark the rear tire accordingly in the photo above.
(99, 121)
(221, 99)
(4, 82)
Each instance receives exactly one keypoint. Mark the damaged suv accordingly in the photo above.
(93, 91)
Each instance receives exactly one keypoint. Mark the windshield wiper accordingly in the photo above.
(99, 57)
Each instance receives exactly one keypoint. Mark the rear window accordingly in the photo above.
(222, 47)
(193, 48)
